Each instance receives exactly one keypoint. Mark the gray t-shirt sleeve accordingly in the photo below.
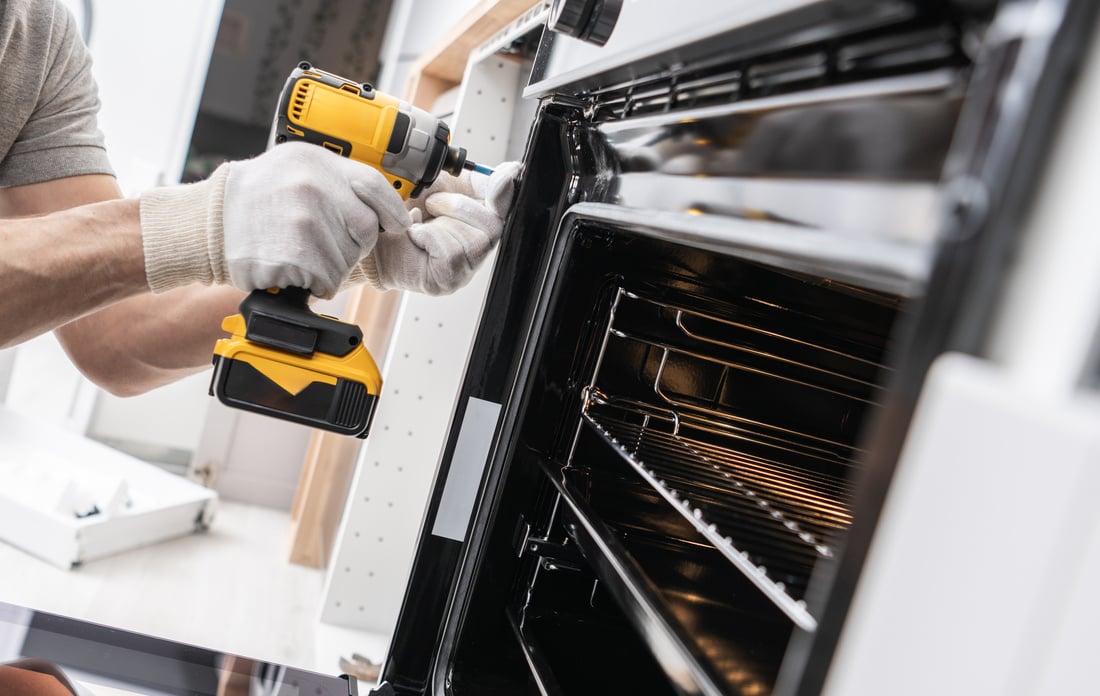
(52, 70)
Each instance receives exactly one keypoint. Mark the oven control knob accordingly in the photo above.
(588, 20)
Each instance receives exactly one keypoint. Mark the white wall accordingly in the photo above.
(7, 361)
(150, 61)
(45, 385)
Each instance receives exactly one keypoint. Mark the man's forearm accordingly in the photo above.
(62, 266)
(150, 340)
(78, 266)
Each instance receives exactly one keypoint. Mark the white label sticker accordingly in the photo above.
(467, 464)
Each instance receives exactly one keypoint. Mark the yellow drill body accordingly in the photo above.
(408, 145)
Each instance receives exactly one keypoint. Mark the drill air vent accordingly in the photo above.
(298, 102)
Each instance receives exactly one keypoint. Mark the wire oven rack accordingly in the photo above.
(773, 500)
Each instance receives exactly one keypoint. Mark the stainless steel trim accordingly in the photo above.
(933, 81)
(894, 267)
(903, 213)
(890, 192)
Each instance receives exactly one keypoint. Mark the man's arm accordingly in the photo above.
(295, 216)
(83, 267)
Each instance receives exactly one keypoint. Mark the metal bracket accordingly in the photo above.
(552, 555)
(384, 689)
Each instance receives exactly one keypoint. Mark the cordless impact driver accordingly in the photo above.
(281, 358)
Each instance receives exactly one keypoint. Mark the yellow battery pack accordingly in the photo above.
(283, 360)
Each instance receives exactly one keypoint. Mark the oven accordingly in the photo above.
(743, 232)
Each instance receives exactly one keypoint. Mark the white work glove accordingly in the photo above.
(295, 216)
(456, 223)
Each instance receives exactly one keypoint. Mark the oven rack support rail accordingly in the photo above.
(668, 447)
(802, 443)
(670, 645)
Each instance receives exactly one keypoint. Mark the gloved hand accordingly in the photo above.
(295, 216)
(456, 223)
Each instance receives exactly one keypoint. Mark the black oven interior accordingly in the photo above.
(683, 461)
